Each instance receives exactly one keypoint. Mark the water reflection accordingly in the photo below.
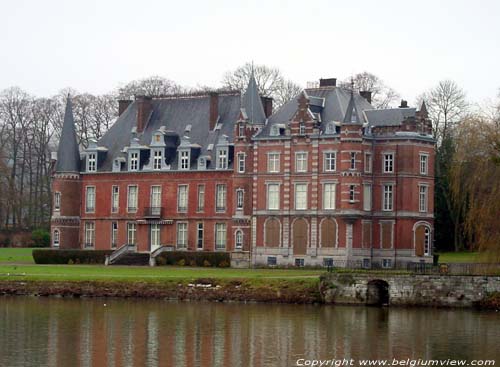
(66, 332)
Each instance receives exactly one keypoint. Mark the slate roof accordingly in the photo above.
(68, 153)
(175, 113)
(252, 103)
(389, 116)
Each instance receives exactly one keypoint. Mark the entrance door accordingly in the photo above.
(155, 237)
(300, 237)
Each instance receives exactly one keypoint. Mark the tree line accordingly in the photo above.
(467, 192)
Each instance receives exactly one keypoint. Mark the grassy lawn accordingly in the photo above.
(16, 255)
(460, 257)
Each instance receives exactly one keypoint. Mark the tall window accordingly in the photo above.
(273, 197)
(353, 160)
(330, 161)
(182, 198)
(368, 163)
(92, 162)
(302, 128)
(329, 196)
(239, 199)
(388, 163)
(352, 193)
(241, 162)
(201, 198)
(115, 199)
(222, 158)
(134, 161)
(241, 130)
(132, 199)
(199, 236)
(387, 198)
(114, 234)
(427, 241)
(220, 236)
(301, 162)
(157, 158)
(300, 196)
(220, 198)
(273, 162)
(424, 159)
(131, 233)
(56, 238)
(90, 199)
(155, 236)
(184, 160)
(57, 201)
(367, 197)
(238, 240)
(422, 198)
(155, 200)
(182, 235)
(89, 234)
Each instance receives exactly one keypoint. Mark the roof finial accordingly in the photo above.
(352, 86)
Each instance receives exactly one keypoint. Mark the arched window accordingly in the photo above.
(272, 232)
(238, 239)
(328, 233)
(56, 238)
(300, 237)
(423, 239)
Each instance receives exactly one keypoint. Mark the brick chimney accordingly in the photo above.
(329, 82)
(144, 108)
(214, 110)
(123, 105)
(404, 104)
(366, 94)
(267, 102)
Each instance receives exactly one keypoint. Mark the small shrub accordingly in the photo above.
(223, 264)
(181, 262)
(194, 258)
(206, 263)
(70, 262)
(41, 238)
(161, 261)
(192, 263)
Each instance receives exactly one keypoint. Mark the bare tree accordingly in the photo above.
(150, 86)
(382, 95)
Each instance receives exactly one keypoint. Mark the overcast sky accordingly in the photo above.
(96, 45)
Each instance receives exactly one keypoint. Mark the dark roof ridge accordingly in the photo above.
(201, 94)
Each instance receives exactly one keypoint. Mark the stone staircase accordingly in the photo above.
(127, 255)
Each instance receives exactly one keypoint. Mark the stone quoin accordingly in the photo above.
(324, 180)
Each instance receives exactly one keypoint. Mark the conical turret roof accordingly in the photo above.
(252, 103)
(68, 154)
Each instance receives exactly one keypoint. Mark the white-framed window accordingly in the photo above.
(131, 233)
(155, 235)
(182, 198)
(220, 198)
(222, 158)
(302, 128)
(330, 161)
(157, 158)
(92, 162)
(182, 232)
(427, 241)
(184, 159)
(422, 198)
(424, 164)
(89, 234)
(352, 193)
(352, 158)
(90, 199)
(115, 198)
(57, 201)
(367, 197)
(329, 196)
(273, 196)
(368, 163)
(155, 200)
(133, 164)
(388, 162)
(240, 194)
(238, 239)
(201, 198)
(114, 234)
(241, 162)
(220, 236)
(241, 130)
(56, 238)
(132, 199)
(199, 236)
(300, 196)
(301, 162)
(387, 198)
(273, 162)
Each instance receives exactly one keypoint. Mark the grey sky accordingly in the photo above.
(96, 45)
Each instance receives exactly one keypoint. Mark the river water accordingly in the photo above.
(117, 332)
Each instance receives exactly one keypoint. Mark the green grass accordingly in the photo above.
(460, 257)
(16, 255)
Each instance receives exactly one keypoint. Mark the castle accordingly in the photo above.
(325, 180)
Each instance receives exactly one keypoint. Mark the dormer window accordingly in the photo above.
(157, 158)
(92, 162)
(134, 161)
(354, 117)
(302, 128)
(330, 128)
(222, 158)
(275, 130)
(202, 163)
(184, 159)
(241, 132)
